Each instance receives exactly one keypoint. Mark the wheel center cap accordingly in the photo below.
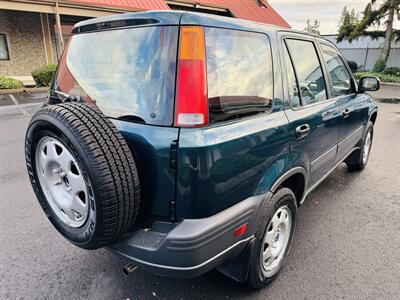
(62, 178)
(277, 236)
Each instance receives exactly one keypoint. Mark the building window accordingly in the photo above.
(4, 55)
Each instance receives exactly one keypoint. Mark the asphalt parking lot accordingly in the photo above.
(346, 245)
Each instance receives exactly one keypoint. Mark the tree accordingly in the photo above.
(351, 26)
(312, 27)
(348, 17)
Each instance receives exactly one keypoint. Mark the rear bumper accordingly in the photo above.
(193, 246)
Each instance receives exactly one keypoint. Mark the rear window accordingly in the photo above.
(239, 74)
(127, 73)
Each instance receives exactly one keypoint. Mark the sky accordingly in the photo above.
(328, 12)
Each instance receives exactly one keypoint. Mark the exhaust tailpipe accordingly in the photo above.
(129, 268)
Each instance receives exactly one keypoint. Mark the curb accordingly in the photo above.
(25, 90)
(388, 100)
(391, 84)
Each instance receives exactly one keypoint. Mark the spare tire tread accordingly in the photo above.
(118, 155)
(111, 159)
(110, 206)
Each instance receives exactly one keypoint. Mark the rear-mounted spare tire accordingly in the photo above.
(83, 174)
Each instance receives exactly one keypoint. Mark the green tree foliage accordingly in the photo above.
(379, 65)
(312, 27)
(376, 13)
(353, 65)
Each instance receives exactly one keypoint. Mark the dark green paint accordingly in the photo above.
(221, 165)
(151, 148)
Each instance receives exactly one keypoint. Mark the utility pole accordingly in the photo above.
(59, 31)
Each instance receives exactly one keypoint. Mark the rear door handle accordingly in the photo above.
(345, 113)
(328, 113)
(302, 131)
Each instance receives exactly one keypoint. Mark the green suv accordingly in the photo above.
(186, 142)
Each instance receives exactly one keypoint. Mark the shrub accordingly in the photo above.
(383, 77)
(379, 65)
(395, 71)
(10, 83)
(353, 65)
(43, 75)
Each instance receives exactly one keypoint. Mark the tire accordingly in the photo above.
(83, 174)
(358, 160)
(283, 201)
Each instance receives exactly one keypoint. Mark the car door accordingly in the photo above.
(314, 118)
(349, 103)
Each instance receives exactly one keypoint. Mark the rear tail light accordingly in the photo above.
(191, 107)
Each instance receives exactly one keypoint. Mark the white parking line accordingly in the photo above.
(23, 111)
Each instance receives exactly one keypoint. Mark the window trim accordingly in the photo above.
(353, 82)
(295, 75)
(261, 114)
(6, 45)
(322, 65)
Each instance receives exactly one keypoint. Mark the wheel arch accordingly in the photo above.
(373, 116)
(295, 179)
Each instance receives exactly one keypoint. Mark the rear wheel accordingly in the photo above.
(83, 174)
(273, 238)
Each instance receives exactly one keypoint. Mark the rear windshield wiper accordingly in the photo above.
(64, 97)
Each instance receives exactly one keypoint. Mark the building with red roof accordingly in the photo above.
(33, 32)
(252, 10)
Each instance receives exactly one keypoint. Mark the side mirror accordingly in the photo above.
(368, 84)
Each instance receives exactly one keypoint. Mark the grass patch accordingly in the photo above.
(383, 77)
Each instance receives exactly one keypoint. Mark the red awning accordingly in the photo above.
(253, 10)
(128, 4)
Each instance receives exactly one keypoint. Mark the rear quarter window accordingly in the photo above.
(239, 74)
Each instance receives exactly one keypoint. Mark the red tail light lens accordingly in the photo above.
(191, 107)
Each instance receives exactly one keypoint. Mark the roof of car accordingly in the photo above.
(243, 9)
(162, 17)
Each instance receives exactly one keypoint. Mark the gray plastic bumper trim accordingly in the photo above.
(186, 268)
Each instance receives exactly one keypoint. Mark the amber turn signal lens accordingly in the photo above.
(192, 43)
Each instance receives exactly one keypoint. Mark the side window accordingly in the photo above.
(293, 87)
(239, 74)
(308, 70)
(340, 77)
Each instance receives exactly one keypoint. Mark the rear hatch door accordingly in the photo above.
(126, 67)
